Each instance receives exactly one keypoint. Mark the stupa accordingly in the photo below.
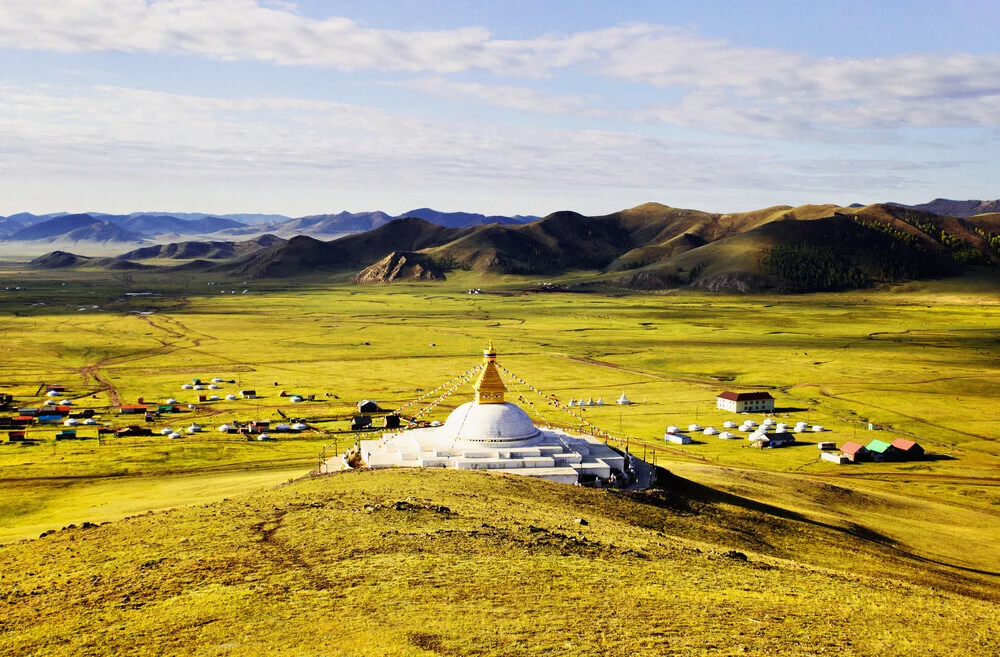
(490, 433)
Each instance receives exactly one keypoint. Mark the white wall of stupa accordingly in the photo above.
(490, 433)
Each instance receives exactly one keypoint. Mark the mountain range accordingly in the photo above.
(651, 246)
(141, 227)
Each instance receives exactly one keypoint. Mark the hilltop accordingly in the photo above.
(413, 562)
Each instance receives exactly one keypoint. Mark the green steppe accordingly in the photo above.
(887, 559)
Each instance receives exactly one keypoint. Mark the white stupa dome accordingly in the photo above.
(488, 423)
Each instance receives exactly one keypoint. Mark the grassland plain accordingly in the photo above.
(921, 361)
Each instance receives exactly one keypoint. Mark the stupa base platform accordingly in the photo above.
(552, 455)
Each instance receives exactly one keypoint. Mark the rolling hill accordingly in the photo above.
(464, 219)
(10, 226)
(213, 250)
(651, 246)
(76, 228)
(964, 209)
(414, 562)
(164, 224)
(304, 255)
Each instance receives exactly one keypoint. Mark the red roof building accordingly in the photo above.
(855, 451)
(743, 402)
(910, 449)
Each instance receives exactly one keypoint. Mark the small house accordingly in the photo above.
(781, 439)
(131, 410)
(883, 451)
(677, 438)
(28, 411)
(367, 406)
(360, 422)
(248, 394)
(745, 402)
(855, 452)
(391, 422)
(834, 457)
(826, 446)
(66, 434)
(49, 419)
(908, 449)
(15, 436)
(133, 430)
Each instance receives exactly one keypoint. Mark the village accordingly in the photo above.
(57, 414)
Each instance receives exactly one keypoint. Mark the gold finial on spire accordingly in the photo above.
(490, 388)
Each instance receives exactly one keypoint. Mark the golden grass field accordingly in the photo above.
(889, 558)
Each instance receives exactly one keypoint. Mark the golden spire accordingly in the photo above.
(490, 388)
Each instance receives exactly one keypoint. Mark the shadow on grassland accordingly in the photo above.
(687, 496)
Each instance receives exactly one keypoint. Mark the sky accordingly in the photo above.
(501, 107)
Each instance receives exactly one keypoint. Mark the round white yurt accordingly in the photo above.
(231, 397)
(781, 426)
(171, 401)
(194, 428)
(176, 435)
(729, 424)
(283, 428)
(214, 398)
(71, 423)
(694, 427)
(217, 379)
(166, 432)
(262, 437)
(199, 387)
(90, 421)
(768, 421)
(225, 428)
(50, 402)
(298, 426)
(817, 428)
(65, 402)
(187, 386)
(52, 393)
(436, 423)
(296, 399)
(212, 386)
(711, 431)
(672, 429)
(745, 427)
(725, 435)
(750, 423)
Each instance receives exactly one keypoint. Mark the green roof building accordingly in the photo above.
(883, 451)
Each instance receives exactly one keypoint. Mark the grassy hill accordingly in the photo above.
(448, 562)
(303, 255)
(652, 246)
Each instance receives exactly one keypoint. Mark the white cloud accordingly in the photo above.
(133, 136)
(758, 91)
(501, 95)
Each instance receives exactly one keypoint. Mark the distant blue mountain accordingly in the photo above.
(464, 219)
